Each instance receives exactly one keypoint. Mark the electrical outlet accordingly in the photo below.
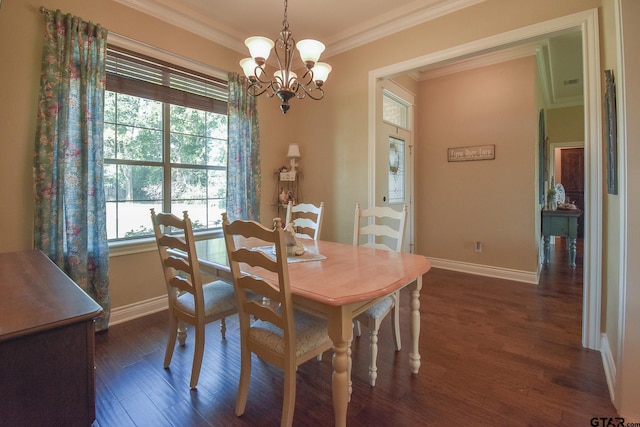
(478, 246)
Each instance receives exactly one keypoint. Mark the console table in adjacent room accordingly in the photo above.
(47, 370)
(561, 223)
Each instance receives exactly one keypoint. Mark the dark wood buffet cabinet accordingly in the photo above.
(47, 371)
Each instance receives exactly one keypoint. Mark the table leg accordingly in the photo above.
(547, 249)
(572, 252)
(340, 332)
(414, 355)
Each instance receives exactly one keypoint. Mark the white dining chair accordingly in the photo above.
(190, 301)
(383, 228)
(306, 218)
(269, 325)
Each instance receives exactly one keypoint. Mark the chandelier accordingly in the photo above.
(284, 83)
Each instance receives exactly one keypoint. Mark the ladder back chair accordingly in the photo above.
(307, 219)
(279, 335)
(379, 234)
(190, 301)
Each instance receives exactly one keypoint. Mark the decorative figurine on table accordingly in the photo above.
(294, 247)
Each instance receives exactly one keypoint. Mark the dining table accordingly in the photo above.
(339, 281)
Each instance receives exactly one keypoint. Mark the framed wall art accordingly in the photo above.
(543, 173)
(611, 118)
(476, 152)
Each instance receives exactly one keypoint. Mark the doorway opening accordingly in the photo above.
(585, 22)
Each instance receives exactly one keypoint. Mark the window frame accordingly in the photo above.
(145, 244)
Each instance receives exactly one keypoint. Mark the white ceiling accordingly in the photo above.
(339, 24)
(344, 24)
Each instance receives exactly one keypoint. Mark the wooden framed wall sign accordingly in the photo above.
(476, 152)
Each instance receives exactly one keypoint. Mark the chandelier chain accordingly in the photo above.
(285, 22)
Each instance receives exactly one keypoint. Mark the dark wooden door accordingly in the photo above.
(572, 178)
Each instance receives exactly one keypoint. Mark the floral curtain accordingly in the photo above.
(70, 211)
(243, 170)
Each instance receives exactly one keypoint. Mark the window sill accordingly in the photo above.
(148, 244)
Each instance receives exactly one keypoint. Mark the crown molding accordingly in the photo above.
(373, 30)
(353, 37)
(191, 22)
(492, 58)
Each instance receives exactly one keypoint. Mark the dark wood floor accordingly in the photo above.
(494, 353)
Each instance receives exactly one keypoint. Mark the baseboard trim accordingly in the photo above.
(609, 366)
(138, 309)
(484, 270)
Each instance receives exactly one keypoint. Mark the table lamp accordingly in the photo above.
(293, 154)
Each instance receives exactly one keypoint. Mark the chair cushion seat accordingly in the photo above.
(310, 333)
(378, 310)
(219, 297)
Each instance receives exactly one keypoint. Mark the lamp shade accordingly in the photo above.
(279, 77)
(248, 66)
(321, 71)
(294, 151)
(310, 50)
(259, 47)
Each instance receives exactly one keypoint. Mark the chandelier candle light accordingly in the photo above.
(284, 83)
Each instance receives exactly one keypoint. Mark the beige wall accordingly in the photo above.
(565, 124)
(490, 201)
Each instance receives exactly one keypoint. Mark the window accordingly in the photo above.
(396, 170)
(395, 110)
(165, 144)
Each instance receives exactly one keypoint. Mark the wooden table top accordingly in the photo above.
(35, 295)
(349, 273)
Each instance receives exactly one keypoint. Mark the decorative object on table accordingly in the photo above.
(612, 132)
(567, 206)
(309, 254)
(560, 193)
(294, 247)
(284, 83)
(552, 202)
